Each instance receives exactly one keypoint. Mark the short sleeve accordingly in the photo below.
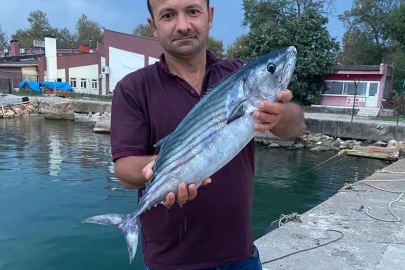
(129, 127)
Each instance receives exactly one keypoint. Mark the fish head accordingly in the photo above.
(269, 74)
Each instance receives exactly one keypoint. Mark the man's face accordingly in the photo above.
(181, 26)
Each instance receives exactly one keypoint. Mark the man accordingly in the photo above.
(212, 229)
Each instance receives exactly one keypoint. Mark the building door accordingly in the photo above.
(372, 94)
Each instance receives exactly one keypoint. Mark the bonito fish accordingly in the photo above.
(211, 135)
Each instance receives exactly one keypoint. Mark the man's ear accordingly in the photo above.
(211, 16)
(152, 26)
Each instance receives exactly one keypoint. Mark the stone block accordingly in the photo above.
(103, 125)
(57, 108)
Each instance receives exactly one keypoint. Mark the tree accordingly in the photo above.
(39, 28)
(65, 40)
(369, 16)
(316, 50)
(88, 32)
(215, 46)
(234, 47)
(394, 27)
(143, 30)
(258, 12)
(4, 44)
(358, 49)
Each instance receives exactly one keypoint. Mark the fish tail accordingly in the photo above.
(126, 223)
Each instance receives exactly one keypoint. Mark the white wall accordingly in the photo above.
(121, 63)
(152, 60)
(61, 75)
(89, 73)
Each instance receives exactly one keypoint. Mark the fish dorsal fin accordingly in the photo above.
(238, 111)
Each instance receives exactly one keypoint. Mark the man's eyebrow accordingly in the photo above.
(165, 10)
(193, 6)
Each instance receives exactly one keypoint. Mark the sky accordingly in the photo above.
(125, 15)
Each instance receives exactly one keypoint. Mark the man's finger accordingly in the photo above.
(263, 126)
(269, 107)
(182, 194)
(147, 173)
(170, 199)
(206, 182)
(192, 192)
(284, 96)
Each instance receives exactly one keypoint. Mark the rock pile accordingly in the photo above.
(321, 142)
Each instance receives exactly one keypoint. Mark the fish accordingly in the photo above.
(210, 135)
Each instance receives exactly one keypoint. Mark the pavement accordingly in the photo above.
(348, 118)
(339, 234)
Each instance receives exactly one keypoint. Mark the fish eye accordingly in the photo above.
(271, 68)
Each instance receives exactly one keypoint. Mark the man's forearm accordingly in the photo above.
(291, 124)
(129, 171)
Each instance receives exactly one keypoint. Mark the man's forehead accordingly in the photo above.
(175, 3)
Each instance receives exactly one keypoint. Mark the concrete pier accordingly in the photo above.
(355, 240)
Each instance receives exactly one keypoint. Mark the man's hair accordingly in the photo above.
(151, 13)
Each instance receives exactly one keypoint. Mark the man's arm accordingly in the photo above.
(284, 119)
(129, 171)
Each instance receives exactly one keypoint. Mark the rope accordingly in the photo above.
(303, 250)
(313, 167)
(385, 171)
(389, 209)
(364, 182)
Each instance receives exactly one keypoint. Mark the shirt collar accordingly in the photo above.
(211, 60)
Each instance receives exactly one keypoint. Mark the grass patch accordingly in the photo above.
(80, 96)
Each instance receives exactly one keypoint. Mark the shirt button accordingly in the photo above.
(192, 91)
(178, 80)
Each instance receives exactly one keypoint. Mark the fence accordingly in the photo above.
(6, 84)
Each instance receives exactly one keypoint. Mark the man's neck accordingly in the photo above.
(190, 69)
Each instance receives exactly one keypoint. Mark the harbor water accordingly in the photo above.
(53, 174)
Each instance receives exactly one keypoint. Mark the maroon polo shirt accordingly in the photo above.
(215, 228)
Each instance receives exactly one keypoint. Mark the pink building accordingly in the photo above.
(374, 86)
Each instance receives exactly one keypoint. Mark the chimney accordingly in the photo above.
(14, 48)
(51, 59)
(84, 48)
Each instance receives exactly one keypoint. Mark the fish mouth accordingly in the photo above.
(289, 64)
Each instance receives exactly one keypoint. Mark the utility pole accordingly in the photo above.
(356, 83)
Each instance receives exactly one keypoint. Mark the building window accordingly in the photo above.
(94, 84)
(350, 88)
(83, 83)
(373, 89)
(73, 82)
(333, 88)
(59, 80)
(345, 88)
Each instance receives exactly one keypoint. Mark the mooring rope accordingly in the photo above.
(385, 171)
(389, 209)
(307, 249)
(313, 168)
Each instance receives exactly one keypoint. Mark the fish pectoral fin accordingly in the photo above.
(237, 112)
(162, 141)
(126, 223)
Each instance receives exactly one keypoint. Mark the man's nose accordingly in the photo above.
(183, 24)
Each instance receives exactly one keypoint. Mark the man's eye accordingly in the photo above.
(193, 12)
(167, 16)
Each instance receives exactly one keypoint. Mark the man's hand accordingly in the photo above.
(184, 194)
(270, 113)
